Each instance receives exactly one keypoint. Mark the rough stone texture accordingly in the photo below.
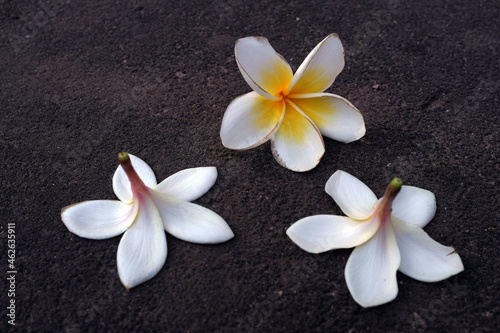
(81, 81)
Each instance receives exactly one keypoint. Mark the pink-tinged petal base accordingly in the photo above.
(320, 233)
(121, 183)
(422, 258)
(371, 269)
(98, 219)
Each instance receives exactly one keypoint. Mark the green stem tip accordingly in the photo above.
(123, 157)
(396, 183)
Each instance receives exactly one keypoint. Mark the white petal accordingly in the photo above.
(188, 184)
(121, 184)
(98, 219)
(354, 198)
(414, 205)
(335, 116)
(143, 248)
(250, 120)
(297, 145)
(320, 233)
(191, 222)
(263, 69)
(371, 269)
(422, 258)
(320, 68)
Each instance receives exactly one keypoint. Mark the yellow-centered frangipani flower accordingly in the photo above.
(144, 212)
(387, 235)
(290, 110)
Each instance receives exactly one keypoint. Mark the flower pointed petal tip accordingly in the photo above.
(98, 219)
(188, 184)
(121, 182)
(250, 120)
(335, 116)
(190, 222)
(321, 233)
(371, 269)
(354, 198)
(414, 205)
(143, 248)
(422, 258)
(265, 71)
(320, 68)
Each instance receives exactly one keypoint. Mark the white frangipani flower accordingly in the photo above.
(387, 234)
(290, 110)
(144, 211)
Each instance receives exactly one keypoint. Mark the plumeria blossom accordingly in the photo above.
(387, 235)
(144, 210)
(292, 111)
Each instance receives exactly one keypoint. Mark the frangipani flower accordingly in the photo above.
(290, 110)
(144, 211)
(387, 234)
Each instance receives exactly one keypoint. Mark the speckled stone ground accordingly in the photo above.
(81, 81)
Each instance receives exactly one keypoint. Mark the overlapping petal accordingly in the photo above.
(188, 184)
(121, 183)
(98, 219)
(335, 116)
(414, 205)
(354, 198)
(422, 258)
(385, 243)
(143, 248)
(320, 68)
(263, 69)
(297, 145)
(191, 222)
(370, 272)
(250, 120)
(320, 233)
